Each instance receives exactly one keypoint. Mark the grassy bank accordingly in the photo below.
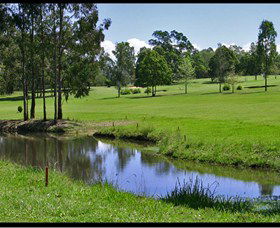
(235, 129)
(24, 198)
(241, 153)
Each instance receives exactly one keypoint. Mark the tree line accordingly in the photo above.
(54, 50)
(173, 58)
(49, 48)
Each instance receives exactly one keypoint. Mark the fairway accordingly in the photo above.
(203, 112)
(247, 118)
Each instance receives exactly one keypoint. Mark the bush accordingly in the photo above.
(135, 91)
(148, 90)
(125, 91)
(19, 109)
(226, 87)
(239, 87)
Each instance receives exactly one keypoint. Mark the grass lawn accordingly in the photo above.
(24, 198)
(239, 129)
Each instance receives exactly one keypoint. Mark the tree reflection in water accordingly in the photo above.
(90, 160)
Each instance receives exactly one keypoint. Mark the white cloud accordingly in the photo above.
(196, 47)
(109, 47)
(246, 47)
(137, 44)
(278, 48)
(227, 45)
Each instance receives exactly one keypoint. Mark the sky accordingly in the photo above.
(205, 25)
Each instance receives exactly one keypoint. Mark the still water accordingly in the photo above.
(135, 170)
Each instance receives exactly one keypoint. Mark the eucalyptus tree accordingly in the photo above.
(266, 47)
(124, 66)
(43, 44)
(19, 15)
(82, 54)
(32, 13)
(172, 45)
(222, 64)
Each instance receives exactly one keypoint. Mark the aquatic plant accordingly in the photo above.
(193, 194)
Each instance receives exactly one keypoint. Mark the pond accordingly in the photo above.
(131, 167)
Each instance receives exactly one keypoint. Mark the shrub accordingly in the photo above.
(239, 87)
(226, 87)
(19, 109)
(135, 91)
(125, 91)
(148, 90)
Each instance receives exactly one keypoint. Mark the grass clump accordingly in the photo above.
(193, 194)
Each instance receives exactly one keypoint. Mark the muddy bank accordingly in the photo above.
(59, 126)
(19, 126)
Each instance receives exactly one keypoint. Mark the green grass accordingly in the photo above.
(236, 129)
(24, 198)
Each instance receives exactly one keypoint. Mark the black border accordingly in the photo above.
(148, 224)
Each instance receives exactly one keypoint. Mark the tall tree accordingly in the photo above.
(172, 45)
(222, 64)
(82, 54)
(19, 14)
(42, 30)
(266, 47)
(124, 65)
(152, 70)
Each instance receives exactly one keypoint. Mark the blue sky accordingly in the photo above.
(204, 24)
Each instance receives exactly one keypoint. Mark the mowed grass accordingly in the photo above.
(24, 198)
(240, 128)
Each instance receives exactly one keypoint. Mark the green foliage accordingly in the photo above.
(123, 70)
(266, 46)
(152, 70)
(239, 87)
(222, 64)
(171, 45)
(125, 91)
(148, 90)
(136, 91)
(19, 109)
(226, 87)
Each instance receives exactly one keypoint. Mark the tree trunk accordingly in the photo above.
(32, 110)
(265, 82)
(119, 91)
(256, 77)
(24, 80)
(59, 100)
(186, 87)
(43, 71)
(220, 87)
(232, 88)
(54, 67)
(153, 91)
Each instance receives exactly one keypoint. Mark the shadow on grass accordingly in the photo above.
(255, 87)
(210, 93)
(209, 82)
(19, 98)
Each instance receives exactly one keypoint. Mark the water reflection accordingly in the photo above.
(130, 169)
